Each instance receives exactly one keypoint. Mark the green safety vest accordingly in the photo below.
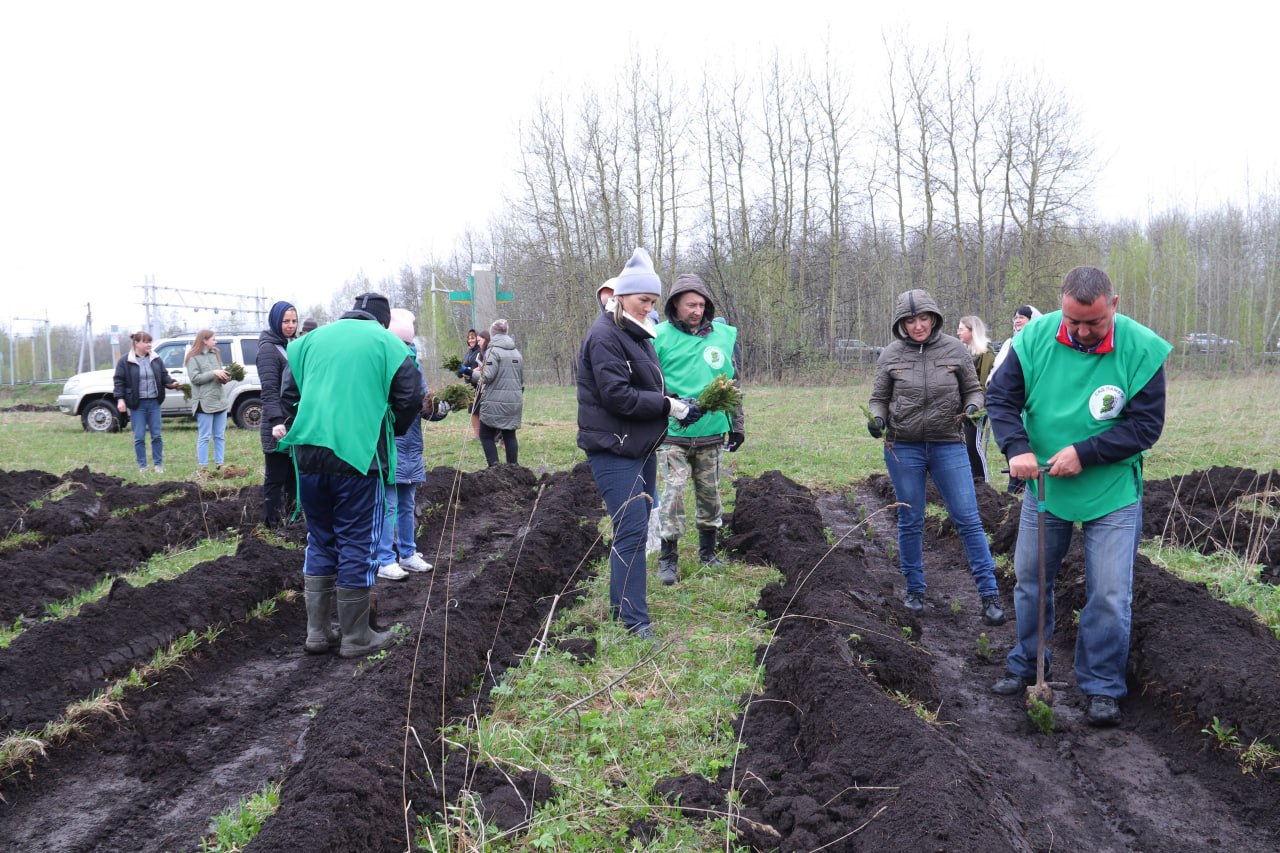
(344, 372)
(1072, 396)
(689, 363)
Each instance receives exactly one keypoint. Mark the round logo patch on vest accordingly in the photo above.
(714, 356)
(1106, 402)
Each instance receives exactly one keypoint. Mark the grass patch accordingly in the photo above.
(20, 749)
(166, 565)
(234, 828)
(606, 730)
(17, 541)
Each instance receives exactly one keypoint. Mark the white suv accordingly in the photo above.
(91, 395)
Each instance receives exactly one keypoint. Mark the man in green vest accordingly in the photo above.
(694, 347)
(1082, 394)
(351, 388)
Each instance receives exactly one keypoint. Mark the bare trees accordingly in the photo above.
(804, 210)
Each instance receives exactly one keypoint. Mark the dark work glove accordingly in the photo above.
(735, 441)
(970, 410)
(695, 412)
(875, 426)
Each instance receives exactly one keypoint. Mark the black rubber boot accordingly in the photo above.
(668, 562)
(707, 549)
(321, 636)
(358, 639)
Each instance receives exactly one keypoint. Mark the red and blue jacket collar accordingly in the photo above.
(1102, 347)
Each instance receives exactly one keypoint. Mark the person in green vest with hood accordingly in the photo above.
(1081, 395)
(351, 388)
(693, 349)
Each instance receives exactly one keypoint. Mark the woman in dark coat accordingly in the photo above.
(279, 482)
(622, 418)
(139, 384)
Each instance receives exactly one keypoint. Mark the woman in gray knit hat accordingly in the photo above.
(622, 417)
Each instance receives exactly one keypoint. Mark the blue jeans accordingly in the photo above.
(344, 526)
(210, 425)
(1102, 642)
(146, 418)
(628, 488)
(948, 463)
(398, 524)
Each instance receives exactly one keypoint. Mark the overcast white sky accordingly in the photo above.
(283, 147)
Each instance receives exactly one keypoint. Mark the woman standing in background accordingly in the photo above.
(279, 482)
(208, 403)
(972, 332)
(138, 385)
(503, 378)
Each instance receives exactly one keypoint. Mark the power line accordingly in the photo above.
(200, 300)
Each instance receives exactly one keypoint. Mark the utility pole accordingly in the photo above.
(87, 341)
(48, 348)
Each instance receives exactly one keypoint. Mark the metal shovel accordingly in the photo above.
(1041, 690)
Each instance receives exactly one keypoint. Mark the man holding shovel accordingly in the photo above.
(1083, 394)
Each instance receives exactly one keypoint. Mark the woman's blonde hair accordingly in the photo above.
(197, 346)
(980, 343)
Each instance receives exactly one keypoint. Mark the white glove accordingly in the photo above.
(279, 431)
(679, 408)
(443, 407)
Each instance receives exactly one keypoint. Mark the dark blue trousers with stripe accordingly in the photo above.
(344, 525)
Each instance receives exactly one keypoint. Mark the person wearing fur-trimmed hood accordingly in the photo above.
(693, 350)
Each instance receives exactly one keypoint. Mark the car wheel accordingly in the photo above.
(100, 416)
(249, 413)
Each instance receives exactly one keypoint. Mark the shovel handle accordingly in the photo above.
(1040, 546)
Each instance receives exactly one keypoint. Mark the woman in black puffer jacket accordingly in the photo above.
(622, 418)
(925, 385)
(279, 482)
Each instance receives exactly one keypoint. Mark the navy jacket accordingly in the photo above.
(622, 405)
(125, 380)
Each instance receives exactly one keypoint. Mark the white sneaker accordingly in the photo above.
(392, 572)
(415, 563)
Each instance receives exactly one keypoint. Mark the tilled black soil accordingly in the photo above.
(251, 707)
(833, 759)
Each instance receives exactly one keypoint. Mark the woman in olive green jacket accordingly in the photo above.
(208, 402)
(924, 387)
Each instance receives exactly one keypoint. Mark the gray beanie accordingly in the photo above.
(638, 276)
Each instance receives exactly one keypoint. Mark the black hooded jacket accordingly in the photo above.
(272, 366)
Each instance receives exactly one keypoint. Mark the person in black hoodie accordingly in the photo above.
(622, 418)
(279, 482)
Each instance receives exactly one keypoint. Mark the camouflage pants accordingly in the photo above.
(676, 466)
